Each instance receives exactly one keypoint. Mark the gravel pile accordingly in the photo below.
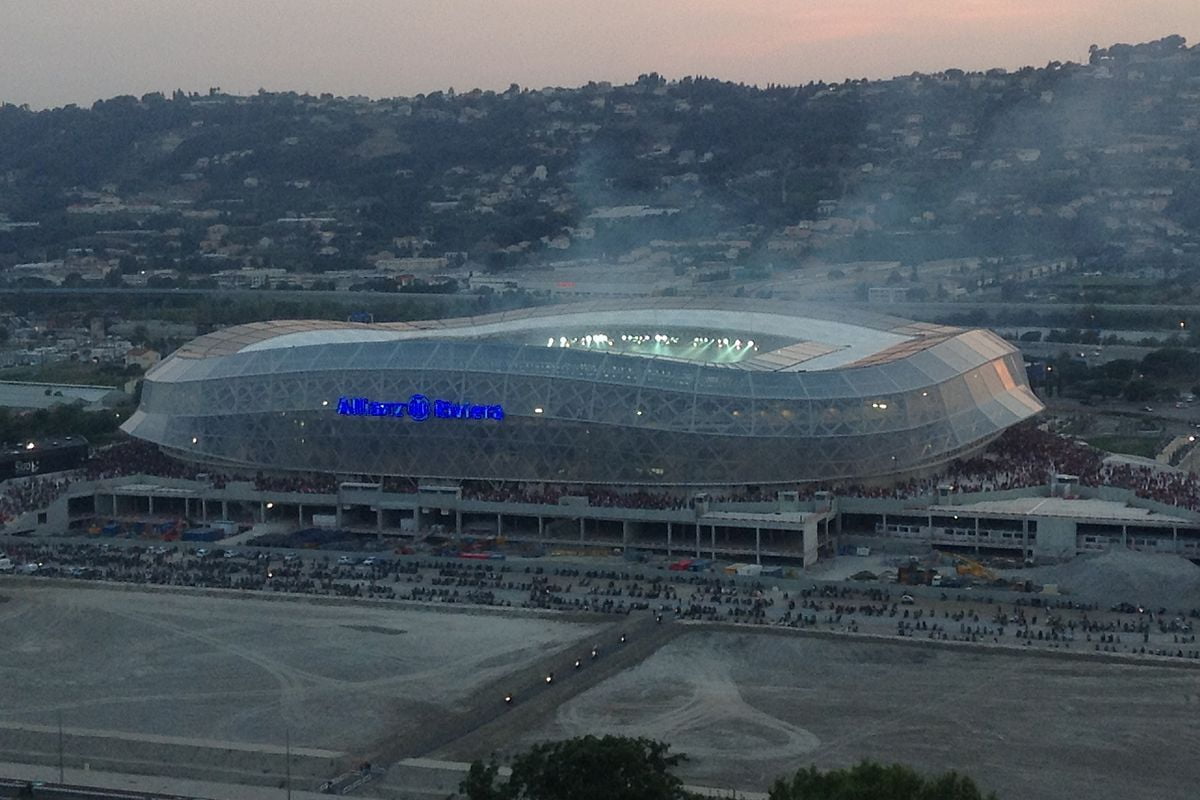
(1126, 576)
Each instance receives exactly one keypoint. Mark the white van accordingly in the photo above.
(6, 564)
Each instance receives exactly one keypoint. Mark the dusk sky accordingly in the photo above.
(54, 52)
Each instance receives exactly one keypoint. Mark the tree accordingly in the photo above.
(869, 781)
(584, 768)
(1140, 389)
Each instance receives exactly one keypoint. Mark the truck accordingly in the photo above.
(6, 564)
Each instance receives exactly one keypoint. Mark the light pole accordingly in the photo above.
(60, 748)
(287, 761)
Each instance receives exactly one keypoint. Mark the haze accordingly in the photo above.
(54, 52)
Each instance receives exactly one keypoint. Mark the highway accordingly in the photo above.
(920, 310)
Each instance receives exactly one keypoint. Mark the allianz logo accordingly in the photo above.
(417, 408)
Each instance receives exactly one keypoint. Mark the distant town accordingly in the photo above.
(947, 186)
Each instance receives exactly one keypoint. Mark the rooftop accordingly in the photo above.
(16, 394)
(1081, 509)
(751, 335)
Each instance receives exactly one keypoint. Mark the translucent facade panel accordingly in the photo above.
(536, 360)
(824, 384)
(957, 355)
(681, 377)
(620, 370)
(933, 366)
(868, 382)
(577, 365)
(723, 381)
(323, 357)
(903, 375)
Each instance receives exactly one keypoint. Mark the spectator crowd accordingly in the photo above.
(1022, 457)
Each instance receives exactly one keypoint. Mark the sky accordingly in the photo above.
(54, 52)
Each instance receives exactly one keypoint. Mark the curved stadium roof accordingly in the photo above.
(791, 338)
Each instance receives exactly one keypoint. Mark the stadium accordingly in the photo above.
(658, 392)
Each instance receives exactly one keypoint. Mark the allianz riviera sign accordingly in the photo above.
(417, 408)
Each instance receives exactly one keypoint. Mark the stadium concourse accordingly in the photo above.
(1029, 494)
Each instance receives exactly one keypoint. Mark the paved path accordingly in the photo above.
(486, 722)
(148, 784)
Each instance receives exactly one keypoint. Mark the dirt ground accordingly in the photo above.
(748, 707)
(744, 706)
(248, 670)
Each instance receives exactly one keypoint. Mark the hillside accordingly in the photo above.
(1090, 165)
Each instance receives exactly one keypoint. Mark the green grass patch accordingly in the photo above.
(1146, 446)
(81, 372)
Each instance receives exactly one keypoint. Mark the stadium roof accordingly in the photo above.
(790, 338)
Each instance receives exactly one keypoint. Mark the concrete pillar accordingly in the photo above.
(977, 536)
(337, 514)
(224, 509)
(262, 511)
(458, 522)
(150, 504)
(300, 514)
(625, 533)
(379, 519)
(1025, 538)
(581, 524)
(713, 541)
(541, 527)
(1124, 536)
(668, 540)
(204, 509)
(758, 545)
(499, 525)
(1175, 540)
(697, 540)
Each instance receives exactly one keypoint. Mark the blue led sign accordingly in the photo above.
(417, 408)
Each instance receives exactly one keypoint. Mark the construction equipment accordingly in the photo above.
(969, 566)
